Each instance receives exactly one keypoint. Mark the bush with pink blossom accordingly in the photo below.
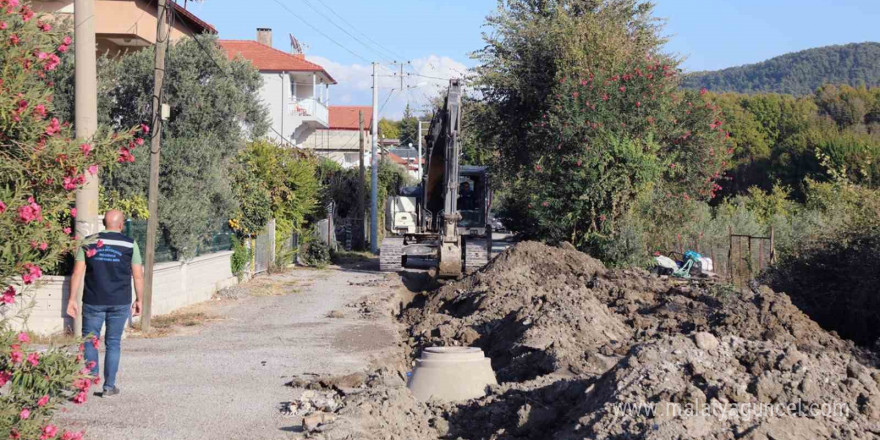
(41, 166)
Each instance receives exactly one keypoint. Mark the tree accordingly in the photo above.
(215, 107)
(41, 167)
(587, 116)
(273, 181)
(409, 128)
(389, 129)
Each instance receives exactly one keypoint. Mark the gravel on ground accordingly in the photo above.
(225, 379)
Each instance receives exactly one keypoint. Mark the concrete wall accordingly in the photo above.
(175, 285)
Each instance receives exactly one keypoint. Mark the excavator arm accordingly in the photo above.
(441, 185)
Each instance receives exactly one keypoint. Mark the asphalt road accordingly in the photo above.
(225, 379)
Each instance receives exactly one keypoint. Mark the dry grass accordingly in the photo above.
(271, 287)
(164, 325)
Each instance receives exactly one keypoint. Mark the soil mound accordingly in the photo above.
(578, 348)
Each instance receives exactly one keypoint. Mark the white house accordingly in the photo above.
(296, 91)
(340, 142)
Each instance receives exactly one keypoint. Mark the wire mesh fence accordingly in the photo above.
(212, 241)
(736, 260)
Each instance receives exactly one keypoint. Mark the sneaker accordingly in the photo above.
(110, 392)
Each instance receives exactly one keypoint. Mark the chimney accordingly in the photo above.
(264, 36)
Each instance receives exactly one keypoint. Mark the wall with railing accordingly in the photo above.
(176, 284)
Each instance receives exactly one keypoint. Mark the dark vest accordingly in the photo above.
(108, 272)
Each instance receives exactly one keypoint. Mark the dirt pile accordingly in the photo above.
(587, 352)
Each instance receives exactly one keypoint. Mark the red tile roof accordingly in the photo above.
(346, 117)
(200, 26)
(266, 58)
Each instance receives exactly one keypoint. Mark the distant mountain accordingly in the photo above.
(797, 73)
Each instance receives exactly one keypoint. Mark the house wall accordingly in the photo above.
(117, 18)
(342, 146)
(175, 285)
(276, 95)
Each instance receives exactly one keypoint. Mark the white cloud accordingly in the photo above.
(423, 79)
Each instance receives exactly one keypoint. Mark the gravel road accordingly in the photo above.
(225, 379)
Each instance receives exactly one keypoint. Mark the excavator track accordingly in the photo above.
(391, 254)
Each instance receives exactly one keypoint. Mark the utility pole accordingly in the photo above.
(85, 121)
(162, 36)
(361, 189)
(420, 151)
(374, 169)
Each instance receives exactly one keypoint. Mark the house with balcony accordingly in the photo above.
(123, 26)
(295, 90)
(340, 141)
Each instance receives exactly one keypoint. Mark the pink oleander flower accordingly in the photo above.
(42, 55)
(26, 13)
(14, 40)
(2, 207)
(40, 110)
(44, 246)
(49, 431)
(93, 170)
(34, 358)
(52, 63)
(99, 244)
(63, 48)
(30, 212)
(32, 273)
(90, 252)
(23, 337)
(54, 127)
(86, 149)
(96, 342)
(25, 413)
(145, 128)
(43, 401)
(45, 27)
(67, 40)
(3, 25)
(67, 230)
(68, 435)
(73, 212)
(80, 398)
(5, 376)
(8, 295)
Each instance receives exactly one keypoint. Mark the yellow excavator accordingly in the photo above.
(443, 222)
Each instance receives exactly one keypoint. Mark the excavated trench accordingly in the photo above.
(582, 351)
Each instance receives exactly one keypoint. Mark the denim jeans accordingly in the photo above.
(94, 318)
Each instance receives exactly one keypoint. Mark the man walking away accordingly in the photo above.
(108, 262)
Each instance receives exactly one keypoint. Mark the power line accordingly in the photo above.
(319, 31)
(331, 21)
(394, 54)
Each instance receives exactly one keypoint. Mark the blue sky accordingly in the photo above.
(436, 36)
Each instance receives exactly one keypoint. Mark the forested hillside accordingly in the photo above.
(797, 73)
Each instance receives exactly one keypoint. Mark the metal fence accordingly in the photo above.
(736, 261)
(264, 248)
(211, 242)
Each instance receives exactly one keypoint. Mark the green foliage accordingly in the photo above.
(389, 129)
(241, 257)
(213, 112)
(315, 253)
(588, 117)
(41, 165)
(798, 73)
(409, 128)
(780, 139)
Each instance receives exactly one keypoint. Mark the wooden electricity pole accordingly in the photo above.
(162, 36)
(361, 190)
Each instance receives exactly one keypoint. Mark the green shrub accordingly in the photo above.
(315, 253)
(241, 257)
